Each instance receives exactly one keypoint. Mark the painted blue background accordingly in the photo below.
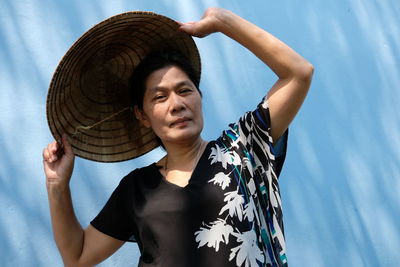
(340, 185)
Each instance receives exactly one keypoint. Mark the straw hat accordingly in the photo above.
(88, 98)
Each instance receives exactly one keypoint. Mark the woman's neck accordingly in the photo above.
(184, 156)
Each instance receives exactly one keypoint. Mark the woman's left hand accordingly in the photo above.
(208, 24)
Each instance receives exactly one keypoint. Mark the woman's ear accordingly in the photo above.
(141, 116)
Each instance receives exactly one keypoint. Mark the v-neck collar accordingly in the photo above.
(194, 172)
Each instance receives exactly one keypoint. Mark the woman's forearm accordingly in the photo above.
(68, 233)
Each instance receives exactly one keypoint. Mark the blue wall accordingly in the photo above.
(340, 185)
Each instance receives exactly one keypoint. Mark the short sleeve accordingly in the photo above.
(116, 217)
(254, 130)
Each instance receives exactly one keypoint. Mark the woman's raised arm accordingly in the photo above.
(294, 72)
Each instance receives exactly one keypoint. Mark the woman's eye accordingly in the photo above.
(159, 97)
(185, 90)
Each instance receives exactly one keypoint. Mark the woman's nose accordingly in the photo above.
(176, 103)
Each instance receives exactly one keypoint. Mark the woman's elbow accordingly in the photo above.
(305, 72)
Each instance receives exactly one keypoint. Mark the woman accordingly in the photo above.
(205, 203)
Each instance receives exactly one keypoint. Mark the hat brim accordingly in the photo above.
(88, 97)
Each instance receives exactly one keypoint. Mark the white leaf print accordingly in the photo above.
(247, 252)
(213, 234)
(221, 179)
(234, 158)
(234, 204)
(224, 156)
(250, 210)
(216, 155)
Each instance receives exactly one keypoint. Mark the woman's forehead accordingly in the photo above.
(167, 77)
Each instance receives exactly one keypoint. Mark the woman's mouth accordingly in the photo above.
(180, 122)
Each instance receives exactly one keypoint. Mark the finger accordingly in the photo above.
(188, 28)
(54, 148)
(186, 23)
(49, 156)
(50, 146)
(45, 154)
(58, 151)
(66, 145)
(50, 151)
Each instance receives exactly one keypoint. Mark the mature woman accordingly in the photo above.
(206, 203)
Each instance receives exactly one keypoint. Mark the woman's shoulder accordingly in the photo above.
(142, 176)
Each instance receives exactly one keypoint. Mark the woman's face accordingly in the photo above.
(172, 106)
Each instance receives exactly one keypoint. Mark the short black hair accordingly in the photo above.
(153, 62)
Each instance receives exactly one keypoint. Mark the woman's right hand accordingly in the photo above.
(58, 163)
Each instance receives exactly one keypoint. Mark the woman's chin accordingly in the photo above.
(182, 137)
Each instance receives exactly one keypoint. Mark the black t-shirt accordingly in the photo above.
(229, 214)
